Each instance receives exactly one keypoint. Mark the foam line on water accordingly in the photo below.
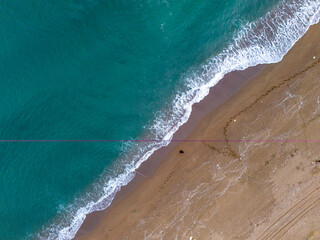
(264, 41)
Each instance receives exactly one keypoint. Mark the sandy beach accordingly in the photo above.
(261, 181)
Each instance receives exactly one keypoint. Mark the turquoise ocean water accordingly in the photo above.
(117, 70)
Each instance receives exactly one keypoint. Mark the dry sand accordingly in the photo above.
(238, 190)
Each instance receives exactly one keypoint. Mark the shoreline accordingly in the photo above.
(238, 55)
(221, 92)
(198, 120)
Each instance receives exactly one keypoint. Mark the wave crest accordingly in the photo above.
(264, 41)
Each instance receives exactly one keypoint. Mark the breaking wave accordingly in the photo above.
(264, 41)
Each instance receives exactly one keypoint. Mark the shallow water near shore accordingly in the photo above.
(104, 70)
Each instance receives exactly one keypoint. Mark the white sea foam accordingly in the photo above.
(265, 41)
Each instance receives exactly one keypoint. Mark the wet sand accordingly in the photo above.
(231, 189)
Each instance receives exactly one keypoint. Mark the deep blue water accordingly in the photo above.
(92, 69)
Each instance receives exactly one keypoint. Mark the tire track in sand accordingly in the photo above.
(287, 219)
